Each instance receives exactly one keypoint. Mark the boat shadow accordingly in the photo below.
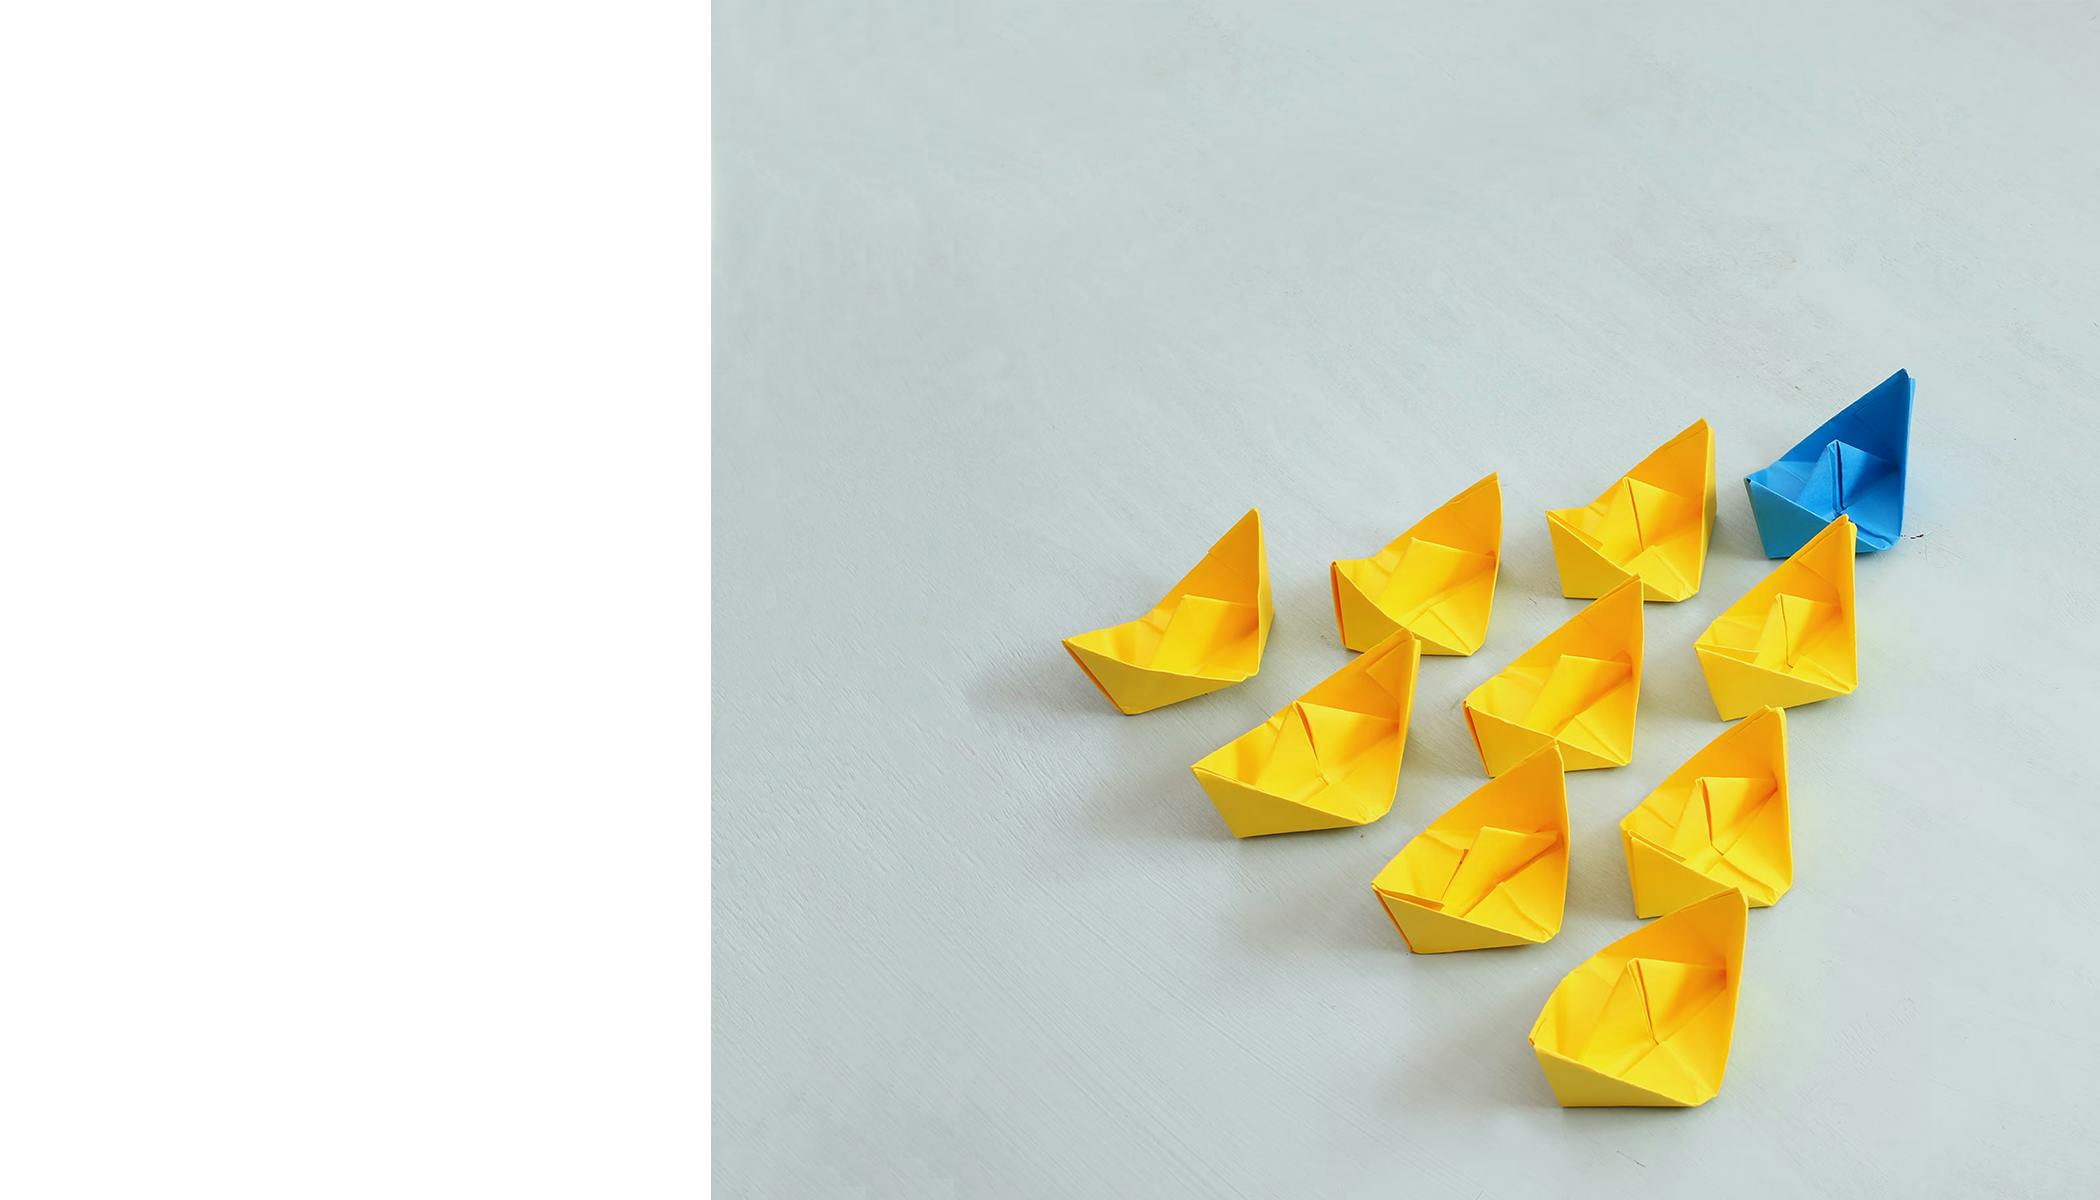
(1483, 1062)
(1596, 854)
(1317, 893)
(1161, 801)
(1310, 894)
(1673, 693)
(1037, 682)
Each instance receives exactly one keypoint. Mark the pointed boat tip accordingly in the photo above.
(1550, 752)
(1094, 679)
(1840, 524)
(1404, 939)
(1401, 640)
(1631, 584)
(1887, 399)
(1488, 484)
(1249, 522)
(1731, 902)
(1697, 430)
(1251, 517)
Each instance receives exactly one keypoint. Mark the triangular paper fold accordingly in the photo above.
(1206, 633)
(1720, 821)
(1578, 688)
(1436, 580)
(1653, 524)
(1792, 639)
(1330, 759)
(1648, 1020)
(1855, 464)
(1493, 871)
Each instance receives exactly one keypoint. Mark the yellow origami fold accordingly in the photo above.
(1493, 871)
(1647, 1021)
(1718, 822)
(1331, 759)
(1206, 633)
(1790, 640)
(1436, 580)
(1653, 524)
(1578, 688)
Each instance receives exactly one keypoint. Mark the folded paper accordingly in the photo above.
(1437, 580)
(1647, 1021)
(1331, 759)
(1578, 688)
(1718, 822)
(1790, 640)
(1853, 465)
(1493, 871)
(1206, 633)
(1652, 525)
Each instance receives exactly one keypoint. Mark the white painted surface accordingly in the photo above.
(1021, 305)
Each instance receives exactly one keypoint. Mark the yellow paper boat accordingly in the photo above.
(1647, 1021)
(1437, 580)
(1791, 639)
(1491, 872)
(1331, 759)
(1578, 688)
(1206, 633)
(1653, 524)
(1718, 822)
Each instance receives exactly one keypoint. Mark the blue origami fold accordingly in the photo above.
(1852, 464)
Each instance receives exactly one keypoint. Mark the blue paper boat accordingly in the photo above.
(1853, 464)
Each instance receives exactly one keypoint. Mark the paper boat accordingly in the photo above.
(1437, 580)
(1577, 688)
(1331, 759)
(1647, 1021)
(1718, 822)
(1653, 524)
(1853, 464)
(1206, 633)
(1491, 872)
(1790, 640)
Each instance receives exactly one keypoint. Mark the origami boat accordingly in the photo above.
(1653, 524)
(1718, 822)
(1791, 639)
(1493, 871)
(1578, 688)
(1206, 633)
(1647, 1021)
(1853, 464)
(1437, 580)
(1331, 759)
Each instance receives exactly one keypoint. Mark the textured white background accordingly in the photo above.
(1020, 305)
